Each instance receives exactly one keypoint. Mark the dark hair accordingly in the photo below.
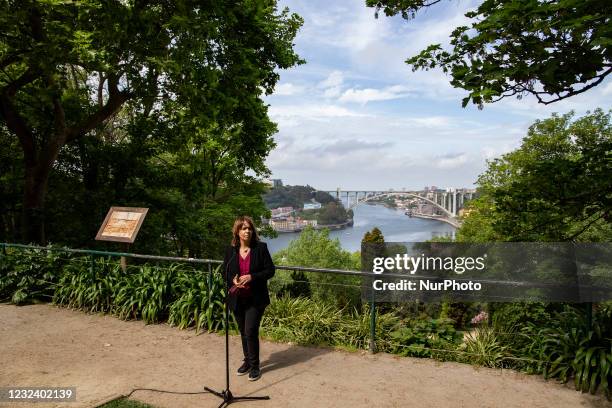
(236, 228)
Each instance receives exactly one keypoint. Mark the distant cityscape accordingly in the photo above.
(432, 202)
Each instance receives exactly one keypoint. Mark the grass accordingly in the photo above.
(125, 403)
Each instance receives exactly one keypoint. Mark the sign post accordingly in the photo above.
(122, 225)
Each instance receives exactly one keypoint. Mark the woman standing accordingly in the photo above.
(249, 265)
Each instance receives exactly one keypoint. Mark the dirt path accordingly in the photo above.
(103, 357)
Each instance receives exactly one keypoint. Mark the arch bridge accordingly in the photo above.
(448, 202)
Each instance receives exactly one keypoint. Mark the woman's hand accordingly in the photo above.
(244, 279)
(236, 282)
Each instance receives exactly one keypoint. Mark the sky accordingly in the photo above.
(356, 117)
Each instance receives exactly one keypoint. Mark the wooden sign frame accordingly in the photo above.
(131, 229)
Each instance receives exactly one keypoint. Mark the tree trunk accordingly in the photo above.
(33, 216)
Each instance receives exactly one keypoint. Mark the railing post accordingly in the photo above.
(92, 258)
(209, 277)
(372, 347)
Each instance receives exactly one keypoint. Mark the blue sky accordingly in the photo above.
(355, 116)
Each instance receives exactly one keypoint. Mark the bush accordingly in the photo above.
(29, 275)
(201, 301)
(418, 337)
(484, 347)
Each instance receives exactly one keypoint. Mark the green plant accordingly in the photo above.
(303, 321)
(29, 275)
(483, 347)
(570, 348)
(354, 329)
(425, 338)
(89, 284)
(200, 303)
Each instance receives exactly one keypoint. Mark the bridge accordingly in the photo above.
(440, 204)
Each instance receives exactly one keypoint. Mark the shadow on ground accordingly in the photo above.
(291, 356)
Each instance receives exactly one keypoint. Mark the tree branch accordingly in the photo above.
(600, 78)
(115, 101)
(603, 214)
(14, 121)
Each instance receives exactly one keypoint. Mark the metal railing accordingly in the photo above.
(373, 309)
(209, 262)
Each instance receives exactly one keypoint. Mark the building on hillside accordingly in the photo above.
(312, 205)
(281, 212)
(291, 224)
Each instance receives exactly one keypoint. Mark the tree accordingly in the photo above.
(69, 67)
(296, 196)
(332, 213)
(555, 187)
(373, 237)
(550, 49)
(316, 249)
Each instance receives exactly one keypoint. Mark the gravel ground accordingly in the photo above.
(104, 357)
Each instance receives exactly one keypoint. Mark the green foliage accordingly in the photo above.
(313, 322)
(200, 303)
(550, 49)
(524, 313)
(28, 276)
(183, 296)
(295, 196)
(557, 342)
(459, 313)
(332, 213)
(373, 237)
(315, 249)
(157, 105)
(125, 403)
(574, 349)
(302, 321)
(555, 187)
(90, 285)
(484, 347)
(417, 338)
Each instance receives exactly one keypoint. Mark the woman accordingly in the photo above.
(249, 266)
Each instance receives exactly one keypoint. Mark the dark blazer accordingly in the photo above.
(261, 269)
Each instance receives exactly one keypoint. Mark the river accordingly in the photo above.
(395, 226)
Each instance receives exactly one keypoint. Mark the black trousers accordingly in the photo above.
(248, 317)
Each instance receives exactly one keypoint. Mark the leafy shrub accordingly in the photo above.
(302, 320)
(418, 337)
(355, 332)
(574, 349)
(200, 303)
(89, 284)
(309, 322)
(522, 313)
(484, 347)
(29, 275)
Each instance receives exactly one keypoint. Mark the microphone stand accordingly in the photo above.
(226, 395)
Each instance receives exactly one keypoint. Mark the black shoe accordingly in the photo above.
(243, 369)
(255, 374)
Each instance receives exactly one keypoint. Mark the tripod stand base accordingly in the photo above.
(228, 397)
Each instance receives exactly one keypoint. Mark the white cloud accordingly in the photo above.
(334, 79)
(451, 161)
(433, 121)
(332, 85)
(364, 96)
(288, 89)
(417, 133)
(312, 112)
